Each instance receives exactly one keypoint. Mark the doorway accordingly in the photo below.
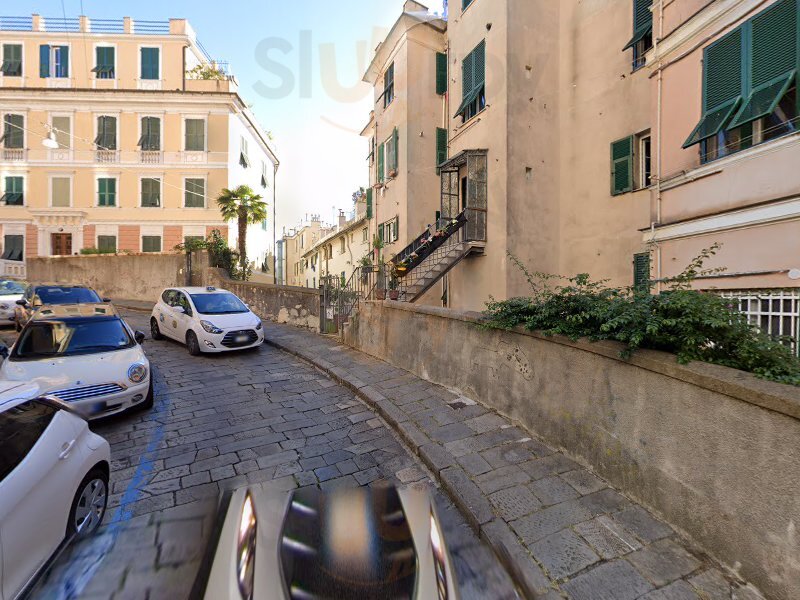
(61, 244)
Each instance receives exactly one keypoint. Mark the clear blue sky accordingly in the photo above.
(314, 119)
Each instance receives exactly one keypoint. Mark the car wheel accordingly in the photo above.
(155, 332)
(150, 400)
(192, 344)
(89, 505)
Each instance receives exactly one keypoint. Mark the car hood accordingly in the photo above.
(73, 371)
(10, 298)
(238, 321)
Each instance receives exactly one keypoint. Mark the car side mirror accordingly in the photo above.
(3, 351)
(139, 337)
(107, 300)
(22, 302)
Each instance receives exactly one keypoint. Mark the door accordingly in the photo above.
(40, 470)
(166, 314)
(182, 320)
(61, 243)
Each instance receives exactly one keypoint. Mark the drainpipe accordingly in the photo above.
(659, 167)
(274, 224)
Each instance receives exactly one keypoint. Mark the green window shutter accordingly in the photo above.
(467, 75)
(381, 236)
(151, 193)
(622, 166)
(441, 146)
(104, 66)
(106, 133)
(12, 60)
(151, 243)
(150, 140)
(641, 269)
(149, 65)
(773, 55)
(396, 229)
(393, 159)
(13, 195)
(14, 131)
(722, 86)
(106, 192)
(195, 135)
(107, 243)
(369, 203)
(62, 61)
(642, 21)
(44, 61)
(441, 73)
(195, 193)
(465, 4)
(381, 157)
(479, 66)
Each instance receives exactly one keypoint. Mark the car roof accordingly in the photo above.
(16, 392)
(64, 311)
(201, 290)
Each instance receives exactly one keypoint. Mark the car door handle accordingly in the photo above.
(66, 449)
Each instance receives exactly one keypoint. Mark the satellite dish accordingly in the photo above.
(794, 274)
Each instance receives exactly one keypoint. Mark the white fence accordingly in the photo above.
(776, 312)
(13, 268)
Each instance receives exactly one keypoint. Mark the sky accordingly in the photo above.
(299, 64)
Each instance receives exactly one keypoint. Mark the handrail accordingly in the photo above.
(422, 247)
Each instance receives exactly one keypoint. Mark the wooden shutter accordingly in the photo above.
(479, 66)
(722, 71)
(393, 159)
(381, 156)
(369, 203)
(441, 146)
(642, 15)
(622, 166)
(149, 66)
(468, 75)
(641, 269)
(44, 61)
(14, 131)
(441, 73)
(63, 69)
(107, 243)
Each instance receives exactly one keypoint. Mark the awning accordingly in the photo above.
(243, 160)
(763, 100)
(638, 36)
(712, 123)
(469, 99)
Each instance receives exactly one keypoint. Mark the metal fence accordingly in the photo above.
(339, 298)
(775, 312)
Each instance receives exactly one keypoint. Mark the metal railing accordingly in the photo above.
(107, 25)
(151, 27)
(412, 283)
(16, 23)
(416, 252)
(73, 25)
(340, 299)
(62, 25)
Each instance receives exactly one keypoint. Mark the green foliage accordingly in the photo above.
(691, 324)
(206, 71)
(220, 255)
(87, 251)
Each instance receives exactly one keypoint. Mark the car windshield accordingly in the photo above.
(9, 287)
(69, 337)
(218, 304)
(66, 295)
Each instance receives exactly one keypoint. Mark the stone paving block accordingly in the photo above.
(563, 554)
(305, 478)
(607, 537)
(348, 481)
(680, 590)
(467, 496)
(663, 562)
(711, 585)
(638, 521)
(336, 456)
(508, 454)
(222, 473)
(502, 478)
(347, 467)
(197, 492)
(552, 490)
(309, 464)
(364, 461)
(554, 464)
(436, 457)
(605, 501)
(486, 422)
(517, 559)
(474, 464)
(550, 520)
(412, 434)
(451, 433)
(186, 458)
(195, 479)
(512, 503)
(274, 460)
(212, 463)
(367, 476)
(326, 473)
(410, 474)
(616, 580)
(583, 481)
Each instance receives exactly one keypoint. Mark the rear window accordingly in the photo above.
(9, 287)
(67, 295)
(218, 304)
(20, 429)
(70, 337)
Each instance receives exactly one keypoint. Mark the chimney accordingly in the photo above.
(342, 219)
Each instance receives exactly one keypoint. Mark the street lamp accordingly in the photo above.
(50, 141)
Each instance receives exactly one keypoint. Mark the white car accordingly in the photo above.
(10, 292)
(84, 354)
(206, 320)
(53, 483)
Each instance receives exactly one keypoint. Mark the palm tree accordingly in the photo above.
(245, 207)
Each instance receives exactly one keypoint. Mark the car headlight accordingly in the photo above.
(260, 326)
(137, 373)
(210, 327)
(437, 546)
(246, 549)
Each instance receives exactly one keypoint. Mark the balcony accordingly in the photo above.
(150, 85)
(151, 157)
(107, 156)
(228, 85)
(14, 155)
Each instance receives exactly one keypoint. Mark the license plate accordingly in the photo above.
(241, 339)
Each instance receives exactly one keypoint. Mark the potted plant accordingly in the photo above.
(366, 264)
(394, 292)
(380, 288)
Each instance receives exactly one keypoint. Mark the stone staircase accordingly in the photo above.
(434, 267)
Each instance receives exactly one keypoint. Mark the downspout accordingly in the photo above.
(445, 296)
(274, 224)
(659, 112)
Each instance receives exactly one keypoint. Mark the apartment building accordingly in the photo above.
(118, 135)
(296, 242)
(407, 128)
(725, 76)
(340, 252)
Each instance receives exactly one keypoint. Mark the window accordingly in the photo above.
(441, 146)
(106, 191)
(750, 84)
(62, 129)
(61, 190)
(622, 166)
(342, 246)
(642, 153)
(642, 39)
(105, 62)
(195, 193)
(388, 158)
(20, 429)
(195, 135)
(151, 243)
(53, 61)
(641, 269)
(388, 86)
(13, 131)
(264, 179)
(13, 247)
(365, 235)
(473, 83)
(151, 192)
(150, 140)
(441, 73)
(106, 133)
(389, 231)
(12, 60)
(14, 195)
(465, 4)
(107, 244)
(150, 67)
(244, 155)
(775, 312)
(369, 204)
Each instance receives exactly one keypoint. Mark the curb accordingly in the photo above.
(525, 573)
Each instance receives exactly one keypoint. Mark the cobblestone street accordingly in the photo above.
(220, 423)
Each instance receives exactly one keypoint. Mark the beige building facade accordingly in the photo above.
(118, 136)
(296, 243)
(339, 253)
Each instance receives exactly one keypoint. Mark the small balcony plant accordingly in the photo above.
(394, 291)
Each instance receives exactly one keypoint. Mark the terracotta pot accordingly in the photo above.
(394, 294)
(380, 294)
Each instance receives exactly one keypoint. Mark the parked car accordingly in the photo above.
(37, 295)
(53, 482)
(84, 354)
(11, 290)
(206, 320)
(378, 542)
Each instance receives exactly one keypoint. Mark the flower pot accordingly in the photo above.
(380, 294)
(394, 294)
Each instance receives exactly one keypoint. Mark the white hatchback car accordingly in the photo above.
(53, 482)
(84, 354)
(206, 320)
(10, 292)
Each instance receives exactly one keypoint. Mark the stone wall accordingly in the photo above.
(715, 451)
(282, 304)
(121, 277)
